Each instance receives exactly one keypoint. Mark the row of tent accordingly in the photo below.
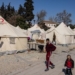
(15, 38)
(63, 34)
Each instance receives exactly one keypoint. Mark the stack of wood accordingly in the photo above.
(40, 41)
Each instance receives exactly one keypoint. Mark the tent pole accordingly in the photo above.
(72, 39)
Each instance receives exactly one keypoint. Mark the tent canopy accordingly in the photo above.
(7, 30)
(36, 27)
(11, 39)
(22, 30)
(49, 30)
(35, 31)
(63, 34)
(71, 30)
(63, 29)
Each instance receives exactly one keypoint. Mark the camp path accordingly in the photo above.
(32, 63)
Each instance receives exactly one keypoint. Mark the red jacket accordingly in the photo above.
(69, 63)
(50, 47)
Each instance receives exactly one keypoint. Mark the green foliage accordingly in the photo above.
(71, 26)
(22, 23)
(21, 10)
(6, 11)
(20, 16)
(28, 9)
(43, 26)
(2, 9)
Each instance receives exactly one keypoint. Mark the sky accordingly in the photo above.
(52, 7)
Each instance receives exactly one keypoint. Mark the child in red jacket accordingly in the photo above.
(69, 63)
(49, 48)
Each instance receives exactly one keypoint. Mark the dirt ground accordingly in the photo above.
(32, 63)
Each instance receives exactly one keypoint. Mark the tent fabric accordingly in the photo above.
(36, 27)
(62, 33)
(49, 33)
(20, 44)
(74, 36)
(8, 30)
(11, 38)
(36, 31)
(22, 30)
(62, 28)
(71, 30)
(52, 28)
(36, 35)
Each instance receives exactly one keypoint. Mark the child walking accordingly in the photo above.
(69, 64)
(49, 49)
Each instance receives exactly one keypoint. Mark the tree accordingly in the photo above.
(21, 10)
(9, 13)
(43, 26)
(6, 11)
(10, 9)
(13, 9)
(41, 16)
(22, 17)
(64, 17)
(28, 10)
(71, 26)
(22, 23)
(2, 10)
(53, 19)
(13, 19)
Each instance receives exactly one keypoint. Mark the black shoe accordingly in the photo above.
(52, 67)
(47, 69)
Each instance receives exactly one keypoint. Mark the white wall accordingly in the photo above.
(50, 25)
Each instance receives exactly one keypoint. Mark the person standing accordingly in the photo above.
(49, 48)
(69, 63)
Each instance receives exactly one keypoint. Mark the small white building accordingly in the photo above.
(50, 23)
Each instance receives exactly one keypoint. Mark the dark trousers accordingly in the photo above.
(48, 62)
(41, 47)
(68, 71)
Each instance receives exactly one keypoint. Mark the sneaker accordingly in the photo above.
(53, 66)
(47, 69)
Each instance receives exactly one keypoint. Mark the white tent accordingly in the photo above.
(49, 33)
(63, 34)
(70, 29)
(73, 37)
(22, 30)
(52, 28)
(36, 35)
(74, 33)
(35, 27)
(10, 38)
